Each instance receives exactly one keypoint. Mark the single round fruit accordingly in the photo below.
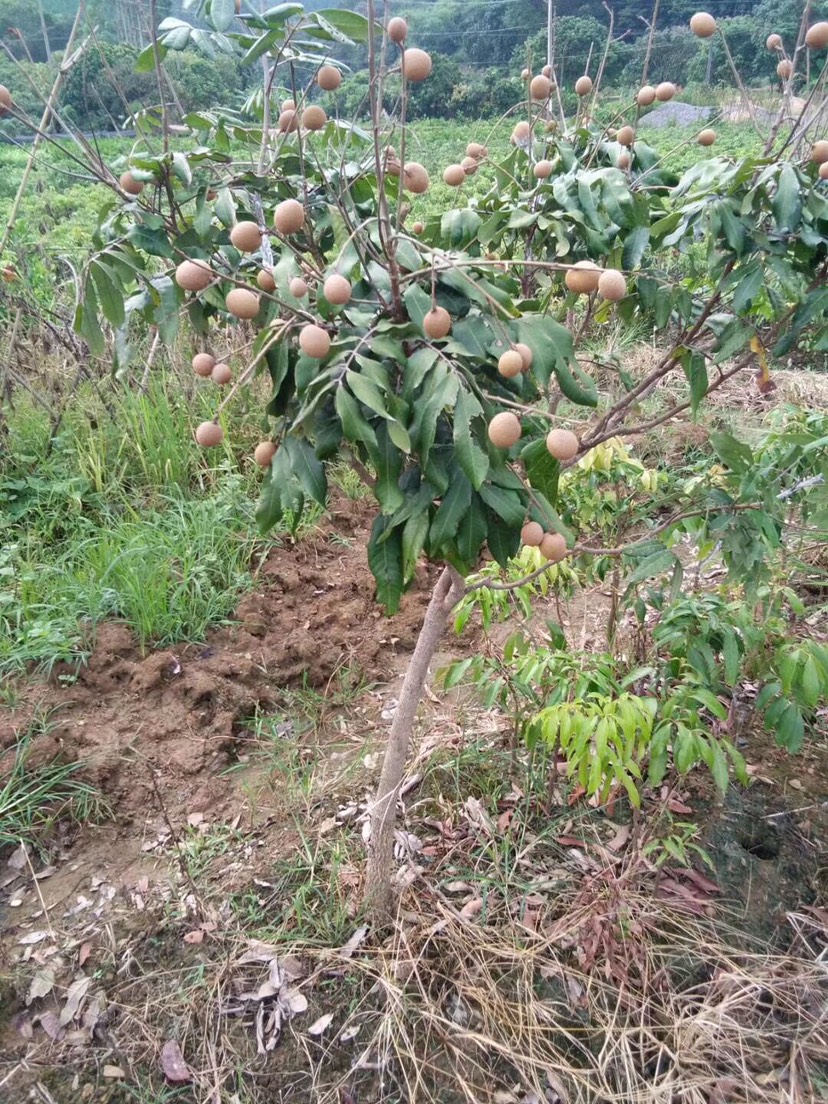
(246, 236)
(525, 355)
(416, 64)
(823, 171)
(242, 303)
(665, 91)
(540, 88)
(337, 290)
(469, 165)
(504, 430)
(706, 137)
(454, 175)
(819, 152)
(288, 122)
(417, 228)
(521, 132)
(437, 323)
(646, 96)
(209, 434)
(703, 25)
(625, 136)
(510, 364)
(263, 453)
(553, 547)
(6, 101)
(314, 117)
(415, 177)
(221, 374)
(547, 70)
(774, 42)
(624, 160)
(525, 74)
(784, 69)
(583, 277)
(264, 278)
(314, 341)
(203, 364)
(612, 285)
(193, 275)
(531, 534)
(816, 37)
(289, 216)
(397, 29)
(288, 105)
(543, 169)
(476, 150)
(583, 85)
(329, 78)
(298, 288)
(562, 444)
(130, 185)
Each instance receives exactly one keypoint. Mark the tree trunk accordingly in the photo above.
(378, 889)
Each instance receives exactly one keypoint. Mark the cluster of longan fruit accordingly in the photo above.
(454, 175)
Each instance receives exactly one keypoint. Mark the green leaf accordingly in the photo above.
(656, 564)
(306, 468)
(787, 205)
(222, 13)
(145, 62)
(417, 303)
(737, 455)
(695, 368)
(471, 458)
(181, 168)
(151, 241)
(451, 510)
(350, 23)
(503, 541)
(811, 682)
(86, 321)
(459, 227)
(414, 534)
(385, 558)
(354, 426)
(790, 731)
(471, 533)
(110, 297)
(175, 33)
(635, 246)
(542, 469)
(508, 505)
(732, 657)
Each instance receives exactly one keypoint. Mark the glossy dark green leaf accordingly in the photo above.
(455, 504)
(736, 454)
(503, 540)
(787, 204)
(470, 456)
(385, 558)
(306, 468)
(542, 469)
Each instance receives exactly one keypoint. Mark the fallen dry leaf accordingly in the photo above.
(173, 1064)
(620, 838)
(471, 908)
(84, 953)
(32, 938)
(51, 1025)
(113, 1073)
(354, 942)
(75, 996)
(196, 936)
(320, 1025)
(42, 984)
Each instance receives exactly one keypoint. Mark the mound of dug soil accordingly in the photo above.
(177, 713)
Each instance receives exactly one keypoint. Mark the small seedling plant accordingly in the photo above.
(433, 357)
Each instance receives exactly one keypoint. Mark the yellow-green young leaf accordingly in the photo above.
(385, 561)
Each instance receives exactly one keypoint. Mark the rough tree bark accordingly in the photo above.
(379, 896)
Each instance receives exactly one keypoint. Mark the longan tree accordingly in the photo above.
(434, 359)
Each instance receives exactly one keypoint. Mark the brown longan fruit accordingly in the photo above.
(531, 534)
(397, 29)
(314, 117)
(246, 236)
(415, 178)
(298, 288)
(703, 25)
(665, 91)
(625, 136)
(263, 453)
(242, 303)
(476, 150)
(784, 69)
(547, 70)
(454, 175)
(417, 228)
(469, 165)
(525, 355)
(288, 105)
(504, 430)
(774, 42)
(823, 171)
(289, 216)
(562, 444)
(130, 185)
(521, 132)
(329, 78)
(645, 96)
(582, 277)
(203, 364)
(416, 64)
(706, 137)
(553, 547)
(819, 152)
(612, 285)
(816, 37)
(314, 341)
(337, 289)
(510, 364)
(6, 102)
(209, 434)
(193, 275)
(221, 374)
(525, 74)
(583, 85)
(543, 169)
(540, 88)
(264, 278)
(624, 160)
(437, 323)
(288, 122)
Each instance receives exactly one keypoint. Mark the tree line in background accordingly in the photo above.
(479, 48)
